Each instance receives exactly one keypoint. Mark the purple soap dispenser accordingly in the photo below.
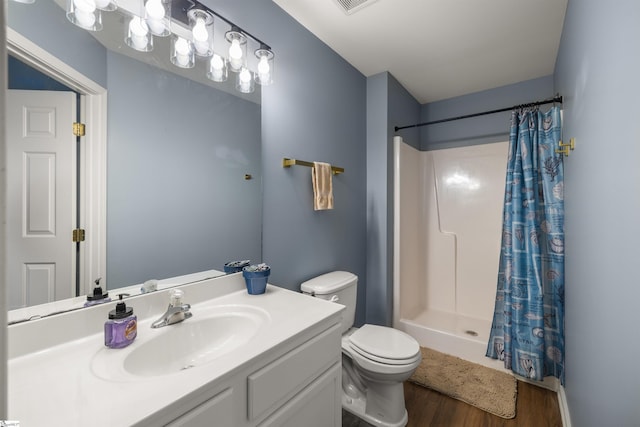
(122, 327)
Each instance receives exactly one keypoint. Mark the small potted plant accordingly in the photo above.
(255, 277)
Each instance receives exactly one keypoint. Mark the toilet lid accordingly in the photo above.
(383, 342)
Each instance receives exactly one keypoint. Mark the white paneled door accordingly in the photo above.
(41, 213)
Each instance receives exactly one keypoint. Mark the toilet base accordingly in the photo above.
(357, 407)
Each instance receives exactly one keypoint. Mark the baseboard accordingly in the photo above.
(564, 407)
(550, 383)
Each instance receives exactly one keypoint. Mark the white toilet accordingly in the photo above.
(375, 359)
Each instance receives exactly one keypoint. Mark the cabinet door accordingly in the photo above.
(274, 384)
(317, 405)
(216, 411)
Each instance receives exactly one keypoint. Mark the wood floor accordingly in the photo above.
(535, 407)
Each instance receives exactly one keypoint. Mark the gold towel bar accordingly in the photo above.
(293, 162)
(566, 148)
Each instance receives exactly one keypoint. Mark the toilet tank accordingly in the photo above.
(337, 286)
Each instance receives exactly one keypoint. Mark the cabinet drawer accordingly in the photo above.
(269, 387)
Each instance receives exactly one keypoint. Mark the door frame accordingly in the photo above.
(93, 153)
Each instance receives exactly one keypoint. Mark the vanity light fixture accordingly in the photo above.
(191, 27)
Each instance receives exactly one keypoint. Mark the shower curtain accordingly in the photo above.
(528, 323)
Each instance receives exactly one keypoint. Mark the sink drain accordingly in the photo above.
(470, 332)
(186, 367)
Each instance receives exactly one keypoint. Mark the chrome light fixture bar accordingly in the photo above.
(197, 33)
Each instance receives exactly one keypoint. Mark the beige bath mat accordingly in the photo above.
(485, 388)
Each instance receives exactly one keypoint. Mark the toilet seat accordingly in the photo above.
(385, 345)
(374, 367)
(369, 345)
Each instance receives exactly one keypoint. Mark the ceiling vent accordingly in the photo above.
(352, 6)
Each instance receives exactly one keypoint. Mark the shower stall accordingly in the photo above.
(447, 227)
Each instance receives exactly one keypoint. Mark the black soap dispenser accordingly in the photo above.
(98, 296)
(122, 326)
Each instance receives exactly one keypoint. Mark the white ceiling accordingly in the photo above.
(439, 49)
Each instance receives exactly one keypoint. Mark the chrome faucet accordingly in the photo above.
(176, 312)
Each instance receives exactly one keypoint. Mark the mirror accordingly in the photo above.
(183, 156)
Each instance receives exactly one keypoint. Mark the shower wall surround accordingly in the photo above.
(448, 209)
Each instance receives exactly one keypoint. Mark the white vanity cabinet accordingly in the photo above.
(288, 373)
(299, 384)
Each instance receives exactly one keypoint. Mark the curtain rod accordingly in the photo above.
(555, 99)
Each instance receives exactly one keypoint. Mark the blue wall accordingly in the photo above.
(483, 129)
(45, 24)
(22, 76)
(315, 111)
(597, 72)
(387, 104)
(177, 200)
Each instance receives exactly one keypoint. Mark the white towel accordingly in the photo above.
(321, 176)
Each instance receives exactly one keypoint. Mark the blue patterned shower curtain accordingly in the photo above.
(528, 323)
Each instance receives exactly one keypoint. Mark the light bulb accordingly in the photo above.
(217, 63)
(235, 51)
(235, 54)
(154, 9)
(200, 33)
(183, 53)
(138, 27)
(85, 19)
(157, 27)
(263, 66)
(245, 75)
(84, 12)
(182, 47)
(102, 4)
(86, 6)
(244, 79)
(138, 36)
(217, 68)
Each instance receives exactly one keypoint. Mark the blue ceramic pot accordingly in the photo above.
(256, 281)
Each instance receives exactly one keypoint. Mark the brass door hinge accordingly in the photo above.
(78, 129)
(78, 235)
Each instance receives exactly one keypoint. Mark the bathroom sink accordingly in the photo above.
(194, 342)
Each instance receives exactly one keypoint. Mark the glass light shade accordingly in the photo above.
(218, 70)
(85, 14)
(157, 14)
(106, 5)
(138, 36)
(201, 24)
(244, 81)
(237, 49)
(182, 52)
(264, 74)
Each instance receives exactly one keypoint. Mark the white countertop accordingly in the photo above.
(42, 310)
(52, 385)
